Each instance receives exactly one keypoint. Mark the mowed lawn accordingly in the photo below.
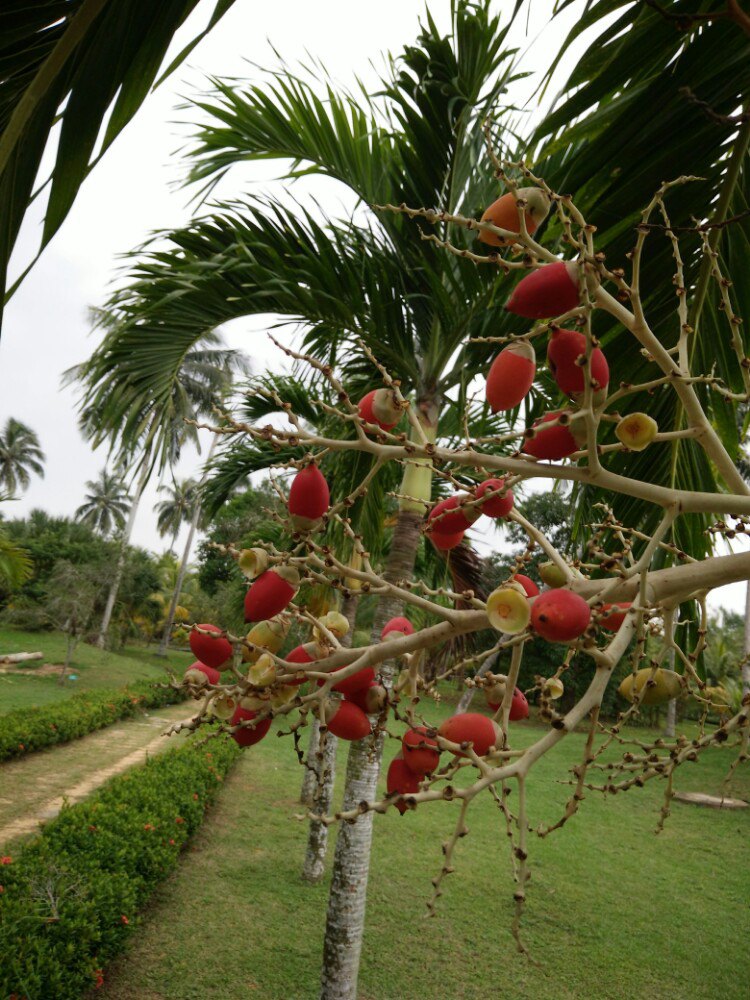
(613, 910)
(94, 668)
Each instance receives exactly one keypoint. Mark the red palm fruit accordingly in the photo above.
(548, 291)
(452, 515)
(199, 674)
(563, 351)
(471, 727)
(213, 652)
(503, 213)
(247, 736)
(347, 720)
(559, 615)
(511, 375)
(302, 654)
(528, 584)
(396, 628)
(309, 498)
(380, 407)
(497, 506)
(271, 593)
(401, 779)
(357, 682)
(519, 707)
(551, 443)
(421, 754)
(613, 619)
(371, 699)
(444, 542)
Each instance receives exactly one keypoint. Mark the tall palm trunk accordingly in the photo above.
(121, 556)
(323, 778)
(351, 864)
(746, 663)
(166, 635)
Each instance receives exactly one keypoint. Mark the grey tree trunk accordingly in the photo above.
(746, 664)
(351, 863)
(120, 566)
(167, 633)
(468, 696)
(324, 777)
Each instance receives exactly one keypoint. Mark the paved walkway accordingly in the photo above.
(34, 788)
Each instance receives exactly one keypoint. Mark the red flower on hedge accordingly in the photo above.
(98, 975)
(6, 859)
(195, 796)
(124, 919)
(179, 819)
(148, 826)
(171, 841)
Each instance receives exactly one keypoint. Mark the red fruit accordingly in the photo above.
(371, 699)
(471, 727)
(551, 443)
(247, 736)
(421, 754)
(380, 407)
(446, 542)
(614, 619)
(402, 780)
(213, 652)
(503, 213)
(301, 654)
(519, 707)
(559, 615)
(548, 291)
(397, 626)
(451, 515)
(199, 674)
(497, 506)
(270, 593)
(357, 682)
(528, 585)
(347, 721)
(563, 351)
(511, 376)
(309, 498)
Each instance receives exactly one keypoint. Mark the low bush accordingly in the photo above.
(28, 729)
(70, 901)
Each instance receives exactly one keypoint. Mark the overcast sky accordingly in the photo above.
(134, 190)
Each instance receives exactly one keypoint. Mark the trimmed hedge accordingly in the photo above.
(28, 729)
(69, 903)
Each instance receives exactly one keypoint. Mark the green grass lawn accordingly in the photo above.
(613, 910)
(94, 668)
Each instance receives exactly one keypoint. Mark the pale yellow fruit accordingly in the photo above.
(552, 575)
(268, 634)
(284, 694)
(253, 562)
(554, 688)
(637, 431)
(336, 624)
(263, 672)
(666, 685)
(254, 702)
(508, 609)
(223, 706)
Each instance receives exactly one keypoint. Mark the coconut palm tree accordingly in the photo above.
(176, 510)
(147, 430)
(20, 456)
(107, 504)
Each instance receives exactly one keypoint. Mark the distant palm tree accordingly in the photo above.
(20, 456)
(176, 510)
(107, 504)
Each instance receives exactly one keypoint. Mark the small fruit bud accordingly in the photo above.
(637, 431)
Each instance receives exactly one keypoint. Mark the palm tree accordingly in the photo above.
(57, 56)
(176, 510)
(147, 426)
(107, 504)
(20, 456)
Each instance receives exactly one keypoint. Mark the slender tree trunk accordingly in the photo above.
(351, 865)
(120, 566)
(323, 778)
(167, 634)
(670, 725)
(746, 664)
(69, 647)
(468, 696)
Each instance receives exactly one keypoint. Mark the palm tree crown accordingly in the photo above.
(20, 456)
(107, 504)
(177, 509)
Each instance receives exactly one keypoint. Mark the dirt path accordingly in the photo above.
(34, 788)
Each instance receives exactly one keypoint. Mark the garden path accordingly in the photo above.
(34, 787)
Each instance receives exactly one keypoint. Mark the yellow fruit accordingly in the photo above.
(254, 702)
(637, 431)
(552, 575)
(554, 688)
(253, 562)
(660, 686)
(269, 634)
(223, 706)
(508, 609)
(335, 623)
(263, 672)
(283, 694)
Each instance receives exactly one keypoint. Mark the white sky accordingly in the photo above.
(134, 191)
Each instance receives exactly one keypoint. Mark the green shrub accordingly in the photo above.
(70, 901)
(29, 729)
